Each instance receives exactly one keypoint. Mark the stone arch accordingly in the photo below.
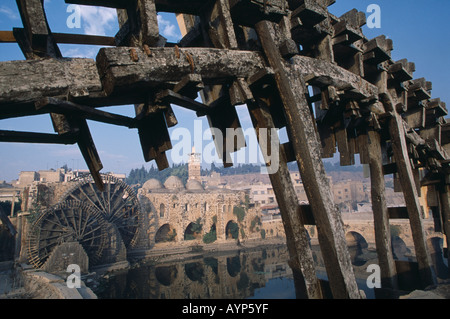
(354, 238)
(166, 275)
(232, 230)
(193, 231)
(233, 266)
(165, 233)
(211, 236)
(440, 263)
(194, 271)
(399, 248)
(356, 244)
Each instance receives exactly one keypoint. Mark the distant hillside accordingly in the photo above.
(141, 175)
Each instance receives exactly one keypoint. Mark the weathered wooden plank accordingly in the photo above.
(149, 30)
(380, 212)
(155, 139)
(167, 65)
(221, 30)
(31, 80)
(249, 12)
(409, 189)
(294, 216)
(322, 73)
(88, 150)
(308, 154)
(169, 96)
(36, 28)
(444, 199)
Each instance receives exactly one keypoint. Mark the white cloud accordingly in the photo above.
(167, 29)
(89, 52)
(97, 20)
(8, 12)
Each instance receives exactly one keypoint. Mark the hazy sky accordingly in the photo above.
(419, 30)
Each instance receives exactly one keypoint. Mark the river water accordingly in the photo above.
(261, 273)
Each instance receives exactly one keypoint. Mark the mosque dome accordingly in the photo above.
(173, 182)
(193, 184)
(152, 184)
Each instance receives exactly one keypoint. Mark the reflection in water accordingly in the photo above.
(258, 273)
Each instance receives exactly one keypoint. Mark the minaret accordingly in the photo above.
(194, 164)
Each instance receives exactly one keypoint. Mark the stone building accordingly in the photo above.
(194, 165)
(179, 213)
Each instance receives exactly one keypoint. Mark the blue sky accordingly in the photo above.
(419, 30)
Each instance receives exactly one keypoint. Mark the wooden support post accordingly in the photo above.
(141, 17)
(380, 212)
(409, 189)
(444, 197)
(89, 151)
(36, 28)
(305, 142)
(149, 33)
(301, 260)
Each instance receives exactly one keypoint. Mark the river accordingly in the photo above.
(261, 273)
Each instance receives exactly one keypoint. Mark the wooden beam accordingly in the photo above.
(53, 105)
(67, 38)
(409, 189)
(172, 64)
(322, 74)
(294, 216)
(444, 199)
(175, 6)
(380, 212)
(168, 96)
(307, 149)
(400, 212)
(7, 37)
(37, 29)
(40, 138)
(89, 151)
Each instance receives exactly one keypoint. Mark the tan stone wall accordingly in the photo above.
(179, 209)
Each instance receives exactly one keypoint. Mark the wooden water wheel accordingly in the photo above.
(67, 221)
(117, 203)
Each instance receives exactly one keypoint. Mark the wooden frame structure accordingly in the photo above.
(269, 55)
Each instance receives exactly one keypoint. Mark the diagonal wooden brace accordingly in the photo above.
(305, 142)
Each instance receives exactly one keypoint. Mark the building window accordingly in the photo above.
(161, 210)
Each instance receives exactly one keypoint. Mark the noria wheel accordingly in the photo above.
(118, 203)
(70, 221)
